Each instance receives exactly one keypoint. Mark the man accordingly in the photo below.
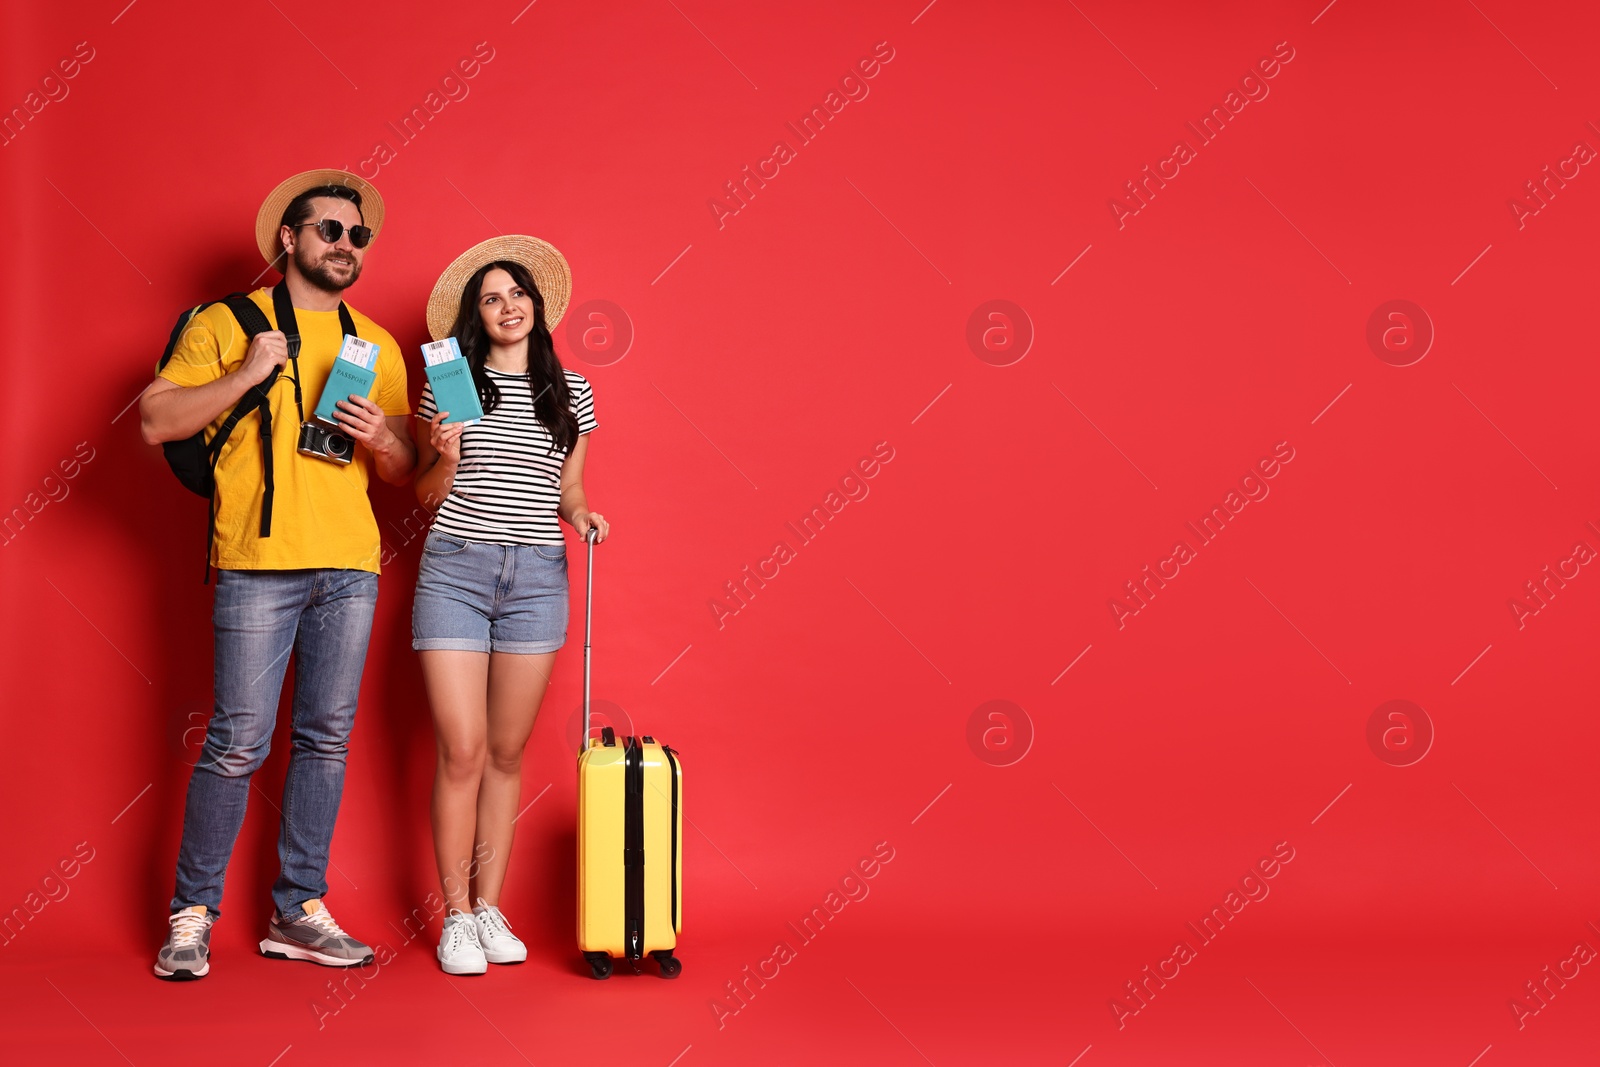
(302, 579)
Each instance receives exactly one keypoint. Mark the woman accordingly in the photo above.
(491, 602)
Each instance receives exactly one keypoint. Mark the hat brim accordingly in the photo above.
(542, 260)
(270, 216)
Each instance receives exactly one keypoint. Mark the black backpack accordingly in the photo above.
(194, 459)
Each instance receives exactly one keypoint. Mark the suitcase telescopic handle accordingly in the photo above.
(591, 536)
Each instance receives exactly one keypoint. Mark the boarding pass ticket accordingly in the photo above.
(362, 353)
(436, 352)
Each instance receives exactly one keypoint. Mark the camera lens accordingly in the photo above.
(338, 444)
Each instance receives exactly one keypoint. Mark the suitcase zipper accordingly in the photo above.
(633, 849)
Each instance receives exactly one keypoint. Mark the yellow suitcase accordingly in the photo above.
(630, 834)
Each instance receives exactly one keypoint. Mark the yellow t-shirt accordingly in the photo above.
(321, 516)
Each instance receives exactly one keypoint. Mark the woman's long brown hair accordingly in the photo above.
(547, 380)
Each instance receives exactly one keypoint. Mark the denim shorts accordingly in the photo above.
(478, 597)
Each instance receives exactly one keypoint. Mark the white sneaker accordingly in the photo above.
(500, 945)
(459, 951)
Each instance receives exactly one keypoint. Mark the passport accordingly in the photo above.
(454, 389)
(353, 374)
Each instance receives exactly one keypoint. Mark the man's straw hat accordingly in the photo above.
(542, 260)
(271, 213)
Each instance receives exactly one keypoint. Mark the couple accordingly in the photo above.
(296, 549)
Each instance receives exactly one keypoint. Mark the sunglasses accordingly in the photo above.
(330, 230)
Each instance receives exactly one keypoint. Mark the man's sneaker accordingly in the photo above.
(187, 953)
(459, 951)
(314, 936)
(500, 945)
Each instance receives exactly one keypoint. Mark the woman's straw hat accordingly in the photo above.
(271, 213)
(541, 258)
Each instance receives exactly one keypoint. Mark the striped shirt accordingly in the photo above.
(508, 484)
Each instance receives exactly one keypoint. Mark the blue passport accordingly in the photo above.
(353, 374)
(451, 378)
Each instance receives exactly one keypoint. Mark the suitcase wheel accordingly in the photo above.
(599, 964)
(670, 965)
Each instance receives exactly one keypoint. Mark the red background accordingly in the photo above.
(770, 355)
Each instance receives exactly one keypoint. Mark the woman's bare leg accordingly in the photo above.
(516, 688)
(457, 683)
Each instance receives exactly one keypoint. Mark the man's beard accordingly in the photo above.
(320, 273)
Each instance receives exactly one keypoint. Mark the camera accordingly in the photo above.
(325, 443)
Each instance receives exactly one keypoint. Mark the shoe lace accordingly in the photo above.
(187, 928)
(491, 917)
(459, 928)
(323, 921)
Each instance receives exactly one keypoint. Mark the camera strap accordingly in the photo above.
(283, 311)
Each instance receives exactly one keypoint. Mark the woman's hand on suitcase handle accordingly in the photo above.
(586, 522)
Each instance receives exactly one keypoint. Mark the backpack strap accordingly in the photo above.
(248, 313)
(253, 321)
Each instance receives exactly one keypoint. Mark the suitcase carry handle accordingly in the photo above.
(588, 619)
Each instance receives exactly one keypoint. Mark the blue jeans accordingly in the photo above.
(324, 617)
